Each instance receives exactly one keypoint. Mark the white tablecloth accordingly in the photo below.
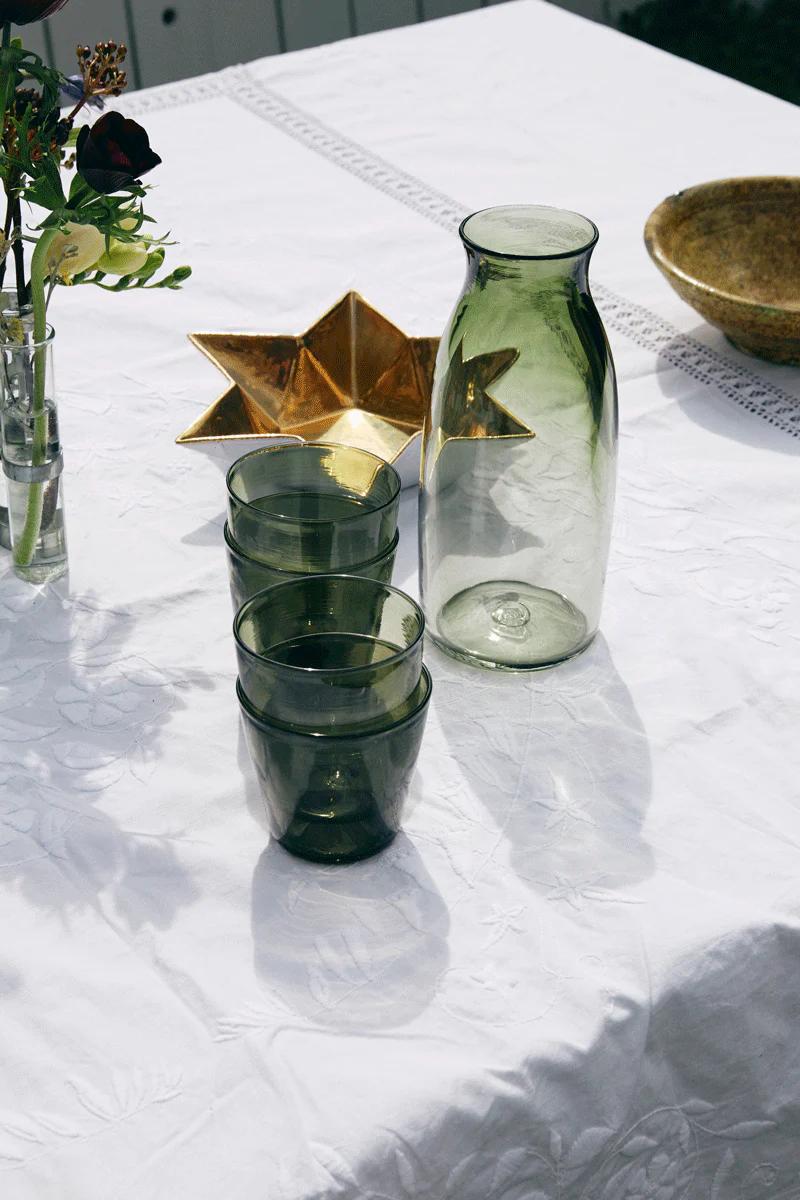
(577, 972)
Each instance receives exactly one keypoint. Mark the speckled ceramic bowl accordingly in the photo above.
(731, 249)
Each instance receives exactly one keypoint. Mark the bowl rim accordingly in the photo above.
(395, 481)
(293, 672)
(655, 223)
(373, 729)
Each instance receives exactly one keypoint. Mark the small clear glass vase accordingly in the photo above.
(519, 448)
(10, 319)
(32, 458)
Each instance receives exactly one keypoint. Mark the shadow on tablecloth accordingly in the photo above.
(357, 947)
(84, 714)
(728, 402)
(695, 1093)
(560, 763)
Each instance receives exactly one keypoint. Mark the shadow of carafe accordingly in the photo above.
(560, 761)
(350, 947)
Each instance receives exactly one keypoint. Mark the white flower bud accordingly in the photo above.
(75, 249)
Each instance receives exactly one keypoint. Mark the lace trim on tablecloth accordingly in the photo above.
(646, 328)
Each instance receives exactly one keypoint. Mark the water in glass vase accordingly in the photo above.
(32, 460)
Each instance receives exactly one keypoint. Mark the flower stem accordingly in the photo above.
(5, 83)
(71, 117)
(25, 545)
(5, 70)
(19, 255)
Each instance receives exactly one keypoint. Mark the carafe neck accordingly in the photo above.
(558, 274)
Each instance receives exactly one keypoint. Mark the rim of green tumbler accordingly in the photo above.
(327, 672)
(372, 728)
(568, 212)
(293, 447)
(291, 576)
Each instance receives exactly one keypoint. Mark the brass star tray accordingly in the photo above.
(353, 378)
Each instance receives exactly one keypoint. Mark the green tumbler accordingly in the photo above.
(337, 797)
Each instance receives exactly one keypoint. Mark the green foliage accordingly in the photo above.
(758, 45)
(32, 116)
(36, 145)
(143, 278)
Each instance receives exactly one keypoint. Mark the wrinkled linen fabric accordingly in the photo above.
(575, 975)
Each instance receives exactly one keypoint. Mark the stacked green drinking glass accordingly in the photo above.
(332, 687)
(334, 696)
(309, 509)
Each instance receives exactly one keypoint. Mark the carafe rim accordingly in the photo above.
(579, 250)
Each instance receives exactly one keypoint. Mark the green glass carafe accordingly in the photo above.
(519, 448)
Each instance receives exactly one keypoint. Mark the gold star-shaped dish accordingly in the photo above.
(353, 378)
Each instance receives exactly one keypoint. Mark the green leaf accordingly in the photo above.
(79, 184)
(45, 192)
(53, 176)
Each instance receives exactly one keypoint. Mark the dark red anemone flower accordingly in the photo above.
(22, 12)
(113, 153)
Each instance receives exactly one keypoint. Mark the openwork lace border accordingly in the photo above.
(647, 329)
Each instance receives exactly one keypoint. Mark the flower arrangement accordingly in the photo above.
(79, 185)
